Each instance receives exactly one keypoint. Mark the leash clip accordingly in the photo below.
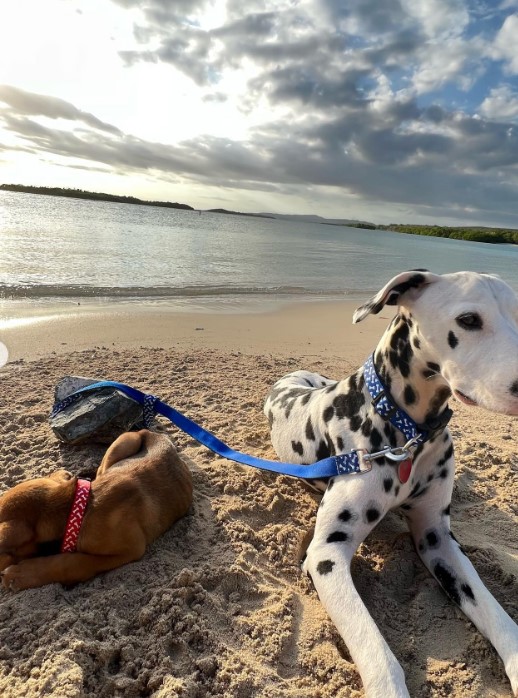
(394, 453)
(402, 453)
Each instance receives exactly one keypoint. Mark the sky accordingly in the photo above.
(387, 111)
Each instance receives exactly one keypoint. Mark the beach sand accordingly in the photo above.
(217, 606)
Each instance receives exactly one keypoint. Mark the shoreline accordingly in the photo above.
(308, 327)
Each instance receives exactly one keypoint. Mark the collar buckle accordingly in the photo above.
(388, 413)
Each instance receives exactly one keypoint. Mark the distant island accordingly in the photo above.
(240, 213)
(474, 234)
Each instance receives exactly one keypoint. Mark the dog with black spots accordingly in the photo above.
(454, 335)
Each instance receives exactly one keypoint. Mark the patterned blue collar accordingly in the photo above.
(388, 410)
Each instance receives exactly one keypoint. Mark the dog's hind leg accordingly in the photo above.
(429, 523)
(345, 517)
(66, 568)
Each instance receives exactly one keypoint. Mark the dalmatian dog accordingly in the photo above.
(453, 335)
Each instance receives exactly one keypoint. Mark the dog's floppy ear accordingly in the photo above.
(408, 281)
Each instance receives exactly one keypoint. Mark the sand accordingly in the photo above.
(217, 607)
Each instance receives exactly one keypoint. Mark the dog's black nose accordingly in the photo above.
(514, 388)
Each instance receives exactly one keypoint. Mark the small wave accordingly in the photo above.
(18, 291)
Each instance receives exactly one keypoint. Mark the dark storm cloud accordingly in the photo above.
(33, 104)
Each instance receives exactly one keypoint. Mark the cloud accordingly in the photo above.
(52, 107)
(505, 46)
(501, 103)
(381, 101)
(396, 153)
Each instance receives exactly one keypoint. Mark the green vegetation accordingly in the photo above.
(493, 235)
(95, 196)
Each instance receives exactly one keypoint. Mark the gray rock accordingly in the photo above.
(101, 415)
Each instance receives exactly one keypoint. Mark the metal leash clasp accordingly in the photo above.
(394, 453)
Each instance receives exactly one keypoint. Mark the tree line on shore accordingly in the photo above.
(494, 235)
(95, 196)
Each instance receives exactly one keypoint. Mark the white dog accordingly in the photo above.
(455, 334)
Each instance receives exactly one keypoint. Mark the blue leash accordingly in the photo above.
(341, 464)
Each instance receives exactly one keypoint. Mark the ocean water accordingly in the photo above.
(56, 249)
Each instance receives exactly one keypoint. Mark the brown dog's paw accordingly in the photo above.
(20, 576)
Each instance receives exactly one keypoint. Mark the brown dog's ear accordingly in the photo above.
(14, 534)
(408, 283)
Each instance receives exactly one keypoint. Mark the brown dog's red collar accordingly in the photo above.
(75, 517)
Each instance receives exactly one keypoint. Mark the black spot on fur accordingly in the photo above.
(372, 514)
(325, 566)
(306, 398)
(346, 515)
(271, 418)
(468, 591)
(447, 581)
(322, 450)
(310, 434)
(330, 444)
(452, 339)
(387, 484)
(339, 443)
(289, 408)
(348, 405)
(390, 433)
(416, 342)
(436, 403)
(396, 490)
(432, 539)
(297, 447)
(399, 337)
(337, 537)
(376, 440)
(444, 473)
(328, 413)
(409, 395)
(446, 511)
(417, 491)
(355, 423)
(446, 457)
(367, 426)
(514, 389)
(413, 282)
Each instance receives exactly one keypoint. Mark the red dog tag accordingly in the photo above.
(404, 469)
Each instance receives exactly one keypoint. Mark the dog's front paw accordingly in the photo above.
(5, 561)
(20, 576)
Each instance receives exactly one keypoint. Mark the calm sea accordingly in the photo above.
(59, 250)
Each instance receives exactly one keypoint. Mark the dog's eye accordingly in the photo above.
(470, 321)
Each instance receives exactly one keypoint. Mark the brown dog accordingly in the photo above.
(142, 487)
